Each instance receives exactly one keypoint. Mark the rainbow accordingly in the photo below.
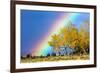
(42, 48)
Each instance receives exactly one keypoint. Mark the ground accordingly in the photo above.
(55, 58)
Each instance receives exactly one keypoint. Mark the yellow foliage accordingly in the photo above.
(70, 37)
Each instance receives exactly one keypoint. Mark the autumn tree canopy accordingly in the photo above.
(71, 37)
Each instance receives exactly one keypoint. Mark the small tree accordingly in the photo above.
(48, 55)
(28, 56)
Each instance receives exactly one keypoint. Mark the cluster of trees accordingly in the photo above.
(33, 57)
(71, 37)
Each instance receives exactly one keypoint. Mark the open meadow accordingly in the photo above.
(55, 58)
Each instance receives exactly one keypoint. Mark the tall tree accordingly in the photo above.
(55, 43)
(84, 40)
(74, 38)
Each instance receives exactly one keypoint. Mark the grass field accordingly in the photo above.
(55, 58)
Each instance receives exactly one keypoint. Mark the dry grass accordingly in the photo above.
(55, 58)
